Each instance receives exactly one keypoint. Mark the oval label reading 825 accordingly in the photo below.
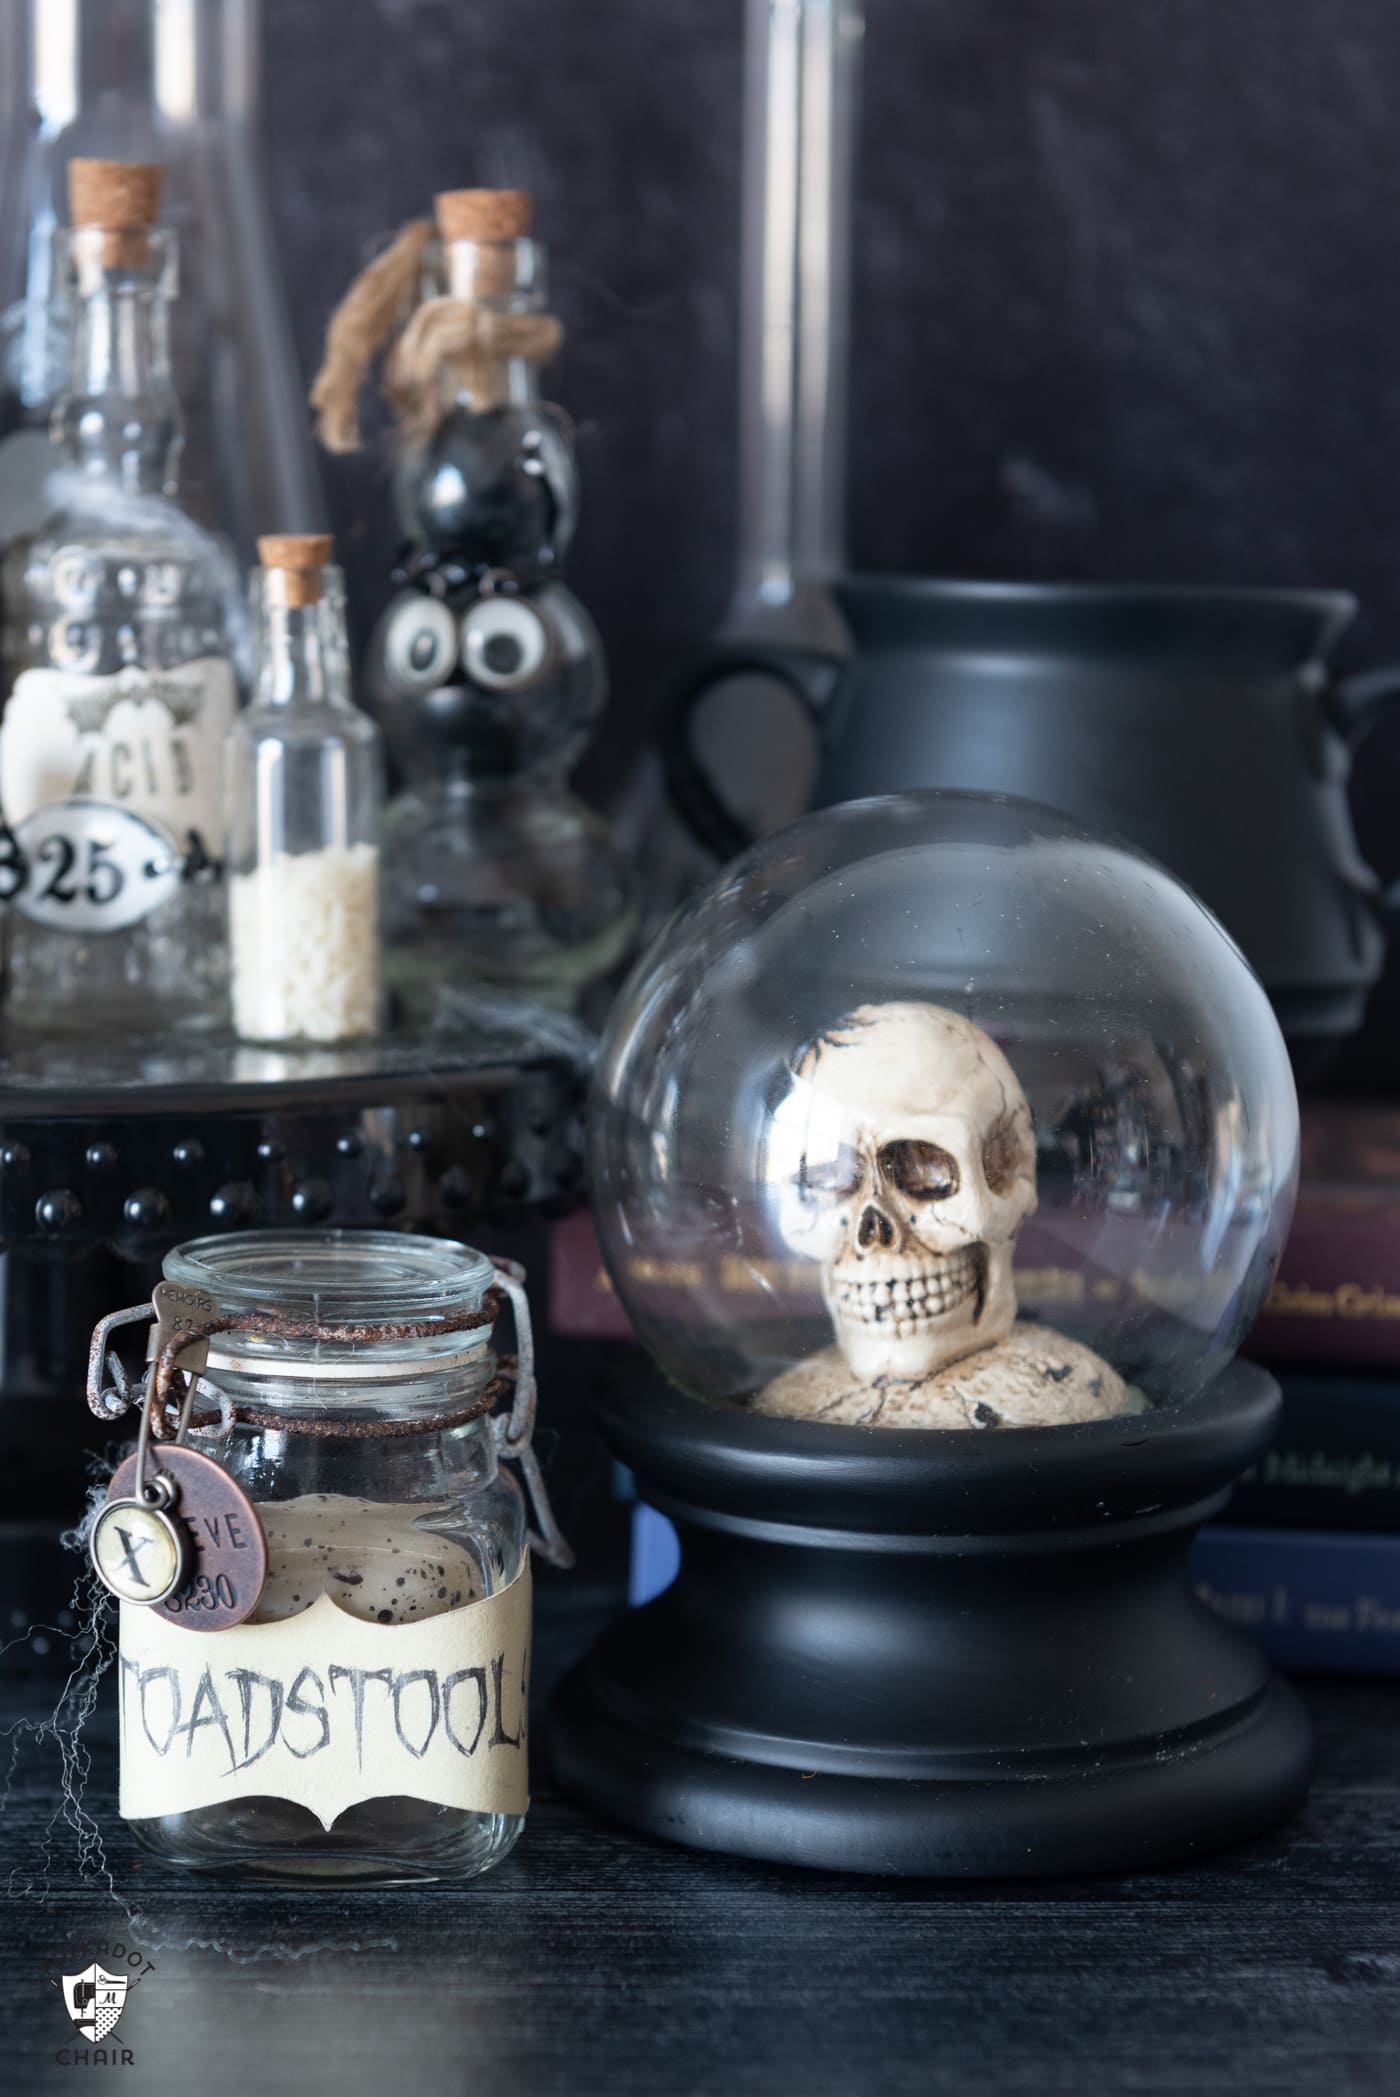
(85, 866)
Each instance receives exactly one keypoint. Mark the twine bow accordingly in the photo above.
(437, 346)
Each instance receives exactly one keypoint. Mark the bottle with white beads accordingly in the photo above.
(305, 796)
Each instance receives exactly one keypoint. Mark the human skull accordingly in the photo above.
(916, 1171)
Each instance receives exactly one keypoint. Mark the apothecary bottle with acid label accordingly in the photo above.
(120, 687)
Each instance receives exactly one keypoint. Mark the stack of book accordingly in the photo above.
(1307, 1556)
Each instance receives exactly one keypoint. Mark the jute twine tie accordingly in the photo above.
(437, 347)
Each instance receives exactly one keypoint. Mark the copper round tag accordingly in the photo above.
(228, 1548)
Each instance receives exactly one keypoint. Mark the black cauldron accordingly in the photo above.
(1201, 725)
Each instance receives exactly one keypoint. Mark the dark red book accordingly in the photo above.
(1336, 1298)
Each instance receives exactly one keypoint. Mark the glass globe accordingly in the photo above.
(932, 1077)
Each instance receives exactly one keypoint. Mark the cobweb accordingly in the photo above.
(71, 1836)
(69, 1853)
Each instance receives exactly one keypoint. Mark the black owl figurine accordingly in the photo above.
(486, 671)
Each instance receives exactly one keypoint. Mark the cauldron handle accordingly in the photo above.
(810, 677)
(1358, 704)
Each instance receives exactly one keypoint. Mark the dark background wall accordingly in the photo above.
(1125, 292)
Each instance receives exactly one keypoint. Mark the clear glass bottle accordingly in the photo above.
(305, 799)
(488, 673)
(801, 103)
(175, 81)
(120, 624)
(399, 1524)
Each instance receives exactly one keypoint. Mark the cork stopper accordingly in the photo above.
(121, 200)
(483, 215)
(294, 562)
(120, 196)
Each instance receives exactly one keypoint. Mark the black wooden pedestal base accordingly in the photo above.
(962, 1655)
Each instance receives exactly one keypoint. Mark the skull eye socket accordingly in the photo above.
(1002, 1157)
(924, 1171)
(829, 1179)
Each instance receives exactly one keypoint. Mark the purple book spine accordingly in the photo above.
(1336, 1298)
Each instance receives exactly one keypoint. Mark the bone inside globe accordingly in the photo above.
(939, 1111)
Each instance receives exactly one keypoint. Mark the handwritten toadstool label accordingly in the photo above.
(326, 1710)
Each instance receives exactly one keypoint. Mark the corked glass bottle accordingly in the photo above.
(305, 796)
(179, 82)
(119, 630)
(486, 670)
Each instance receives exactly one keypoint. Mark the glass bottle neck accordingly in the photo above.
(301, 654)
(500, 277)
(801, 92)
(119, 417)
(511, 382)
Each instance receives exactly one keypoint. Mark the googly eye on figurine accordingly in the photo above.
(500, 642)
(505, 643)
(497, 675)
(417, 645)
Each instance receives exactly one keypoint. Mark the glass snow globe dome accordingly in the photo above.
(941, 1111)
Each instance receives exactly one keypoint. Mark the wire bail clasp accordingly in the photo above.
(512, 1431)
(111, 1392)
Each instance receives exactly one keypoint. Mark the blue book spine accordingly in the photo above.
(656, 1555)
(1311, 1599)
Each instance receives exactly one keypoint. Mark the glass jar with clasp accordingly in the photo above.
(365, 1721)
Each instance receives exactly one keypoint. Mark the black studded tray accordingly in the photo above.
(134, 1147)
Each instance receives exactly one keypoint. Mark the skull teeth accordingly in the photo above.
(909, 1302)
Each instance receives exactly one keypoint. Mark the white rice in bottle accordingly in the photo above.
(305, 939)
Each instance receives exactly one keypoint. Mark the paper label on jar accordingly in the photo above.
(147, 741)
(326, 1710)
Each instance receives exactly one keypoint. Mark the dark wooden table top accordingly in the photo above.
(595, 1964)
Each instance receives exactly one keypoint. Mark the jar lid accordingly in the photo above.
(335, 1277)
